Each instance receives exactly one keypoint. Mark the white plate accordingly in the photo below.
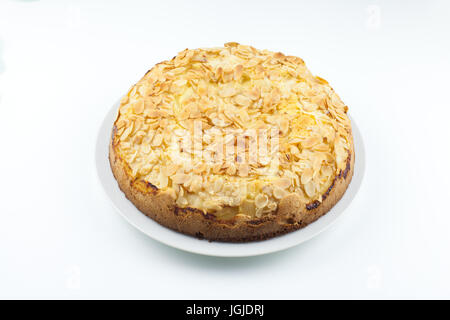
(191, 244)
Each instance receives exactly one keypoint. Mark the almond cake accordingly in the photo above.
(232, 144)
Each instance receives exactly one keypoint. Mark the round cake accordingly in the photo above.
(232, 144)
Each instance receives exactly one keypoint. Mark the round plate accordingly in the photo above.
(191, 244)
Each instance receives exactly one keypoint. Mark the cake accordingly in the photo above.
(232, 144)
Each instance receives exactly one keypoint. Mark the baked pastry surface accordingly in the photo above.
(232, 144)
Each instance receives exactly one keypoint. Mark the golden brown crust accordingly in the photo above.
(292, 214)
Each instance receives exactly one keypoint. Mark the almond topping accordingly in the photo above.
(243, 99)
(279, 193)
(283, 183)
(157, 140)
(306, 176)
(310, 189)
(261, 200)
(179, 178)
(228, 90)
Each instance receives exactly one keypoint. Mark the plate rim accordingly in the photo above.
(191, 244)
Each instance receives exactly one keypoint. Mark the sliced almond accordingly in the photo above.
(228, 90)
(179, 178)
(310, 189)
(307, 176)
(242, 100)
(261, 200)
(279, 193)
(283, 183)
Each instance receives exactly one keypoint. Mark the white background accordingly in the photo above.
(62, 66)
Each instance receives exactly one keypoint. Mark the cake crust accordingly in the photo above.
(171, 141)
